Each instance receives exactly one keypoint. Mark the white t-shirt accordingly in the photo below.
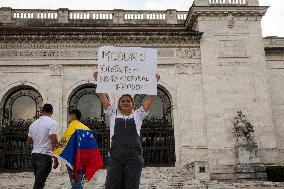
(138, 116)
(39, 131)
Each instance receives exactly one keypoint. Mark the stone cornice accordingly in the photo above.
(219, 11)
(274, 42)
(70, 37)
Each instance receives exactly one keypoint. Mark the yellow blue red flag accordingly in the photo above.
(79, 150)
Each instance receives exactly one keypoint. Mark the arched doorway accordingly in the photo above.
(21, 106)
(85, 99)
(157, 133)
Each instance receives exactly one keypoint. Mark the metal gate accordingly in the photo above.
(157, 137)
(20, 108)
(17, 153)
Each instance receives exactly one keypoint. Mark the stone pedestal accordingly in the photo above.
(249, 166)
(247, 153)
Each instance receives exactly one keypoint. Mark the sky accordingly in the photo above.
(272, 23)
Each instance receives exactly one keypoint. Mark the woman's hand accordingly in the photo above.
(95, 75)
(158, 77)
(55, 163)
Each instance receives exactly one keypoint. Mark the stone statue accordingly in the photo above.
(246, 149)
(243, 130)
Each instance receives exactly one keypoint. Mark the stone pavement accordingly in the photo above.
(152, 178)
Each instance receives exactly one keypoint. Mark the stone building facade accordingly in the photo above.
(213, 62)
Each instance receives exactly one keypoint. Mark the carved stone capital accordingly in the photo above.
(55, 70)
(187, 53)
(23, 82)
(196, 68)
(182, 68)
(230, 21)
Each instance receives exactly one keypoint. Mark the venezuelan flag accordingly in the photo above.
(79, 150)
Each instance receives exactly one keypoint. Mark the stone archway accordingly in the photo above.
(21, 105)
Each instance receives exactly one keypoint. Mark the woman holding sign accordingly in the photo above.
(126, 157)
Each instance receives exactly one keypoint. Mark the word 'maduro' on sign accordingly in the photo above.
(123, 56)
(127, 70)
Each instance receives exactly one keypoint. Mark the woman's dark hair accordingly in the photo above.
(125, 95)
(76, 112)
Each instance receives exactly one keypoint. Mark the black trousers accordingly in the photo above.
(123, 175)
(42, 165)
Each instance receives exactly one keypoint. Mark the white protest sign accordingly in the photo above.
(127, 70)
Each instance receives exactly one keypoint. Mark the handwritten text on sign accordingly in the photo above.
(127, 70)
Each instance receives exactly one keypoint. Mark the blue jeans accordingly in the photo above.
(79, 182)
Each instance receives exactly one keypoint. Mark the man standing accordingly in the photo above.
(79, 150)
(42, 135)
(78, 183)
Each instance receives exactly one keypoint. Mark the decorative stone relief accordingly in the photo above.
(243, 130)
(233, 62)
(23, 82)
(48, 54)
(182, 68)
(232, 49)
(55, 70)
(168, 66)
(196, 68)
(125, 40)
(187, 53)
(230, 21)
(278, 42)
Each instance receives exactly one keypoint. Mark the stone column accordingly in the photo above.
(182, 112)
(5, 15)
(118, 16)
(171, 16)
(55, 96)
(63, 15)
(192, 131)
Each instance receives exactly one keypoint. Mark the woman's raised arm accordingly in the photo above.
(148, 102)
(104, 101)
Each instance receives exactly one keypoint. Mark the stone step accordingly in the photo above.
(152, 178)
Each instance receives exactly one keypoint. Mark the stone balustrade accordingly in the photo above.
(181, 15)
(20, 17)
(145, 15)
(228, 2)
(33, 14)
(86, 15)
